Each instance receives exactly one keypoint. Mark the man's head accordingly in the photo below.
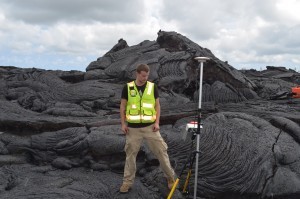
(142, 73)
(142, 67)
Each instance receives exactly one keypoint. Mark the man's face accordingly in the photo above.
(142, 77)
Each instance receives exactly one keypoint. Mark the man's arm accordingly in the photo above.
(157, 109)
(123, 115)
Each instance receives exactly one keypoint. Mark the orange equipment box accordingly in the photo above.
(296, 92)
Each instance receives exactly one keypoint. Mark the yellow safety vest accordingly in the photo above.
(140, 109)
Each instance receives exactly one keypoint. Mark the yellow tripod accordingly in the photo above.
(189, 161)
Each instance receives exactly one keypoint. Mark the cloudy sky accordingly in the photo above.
(69, 34)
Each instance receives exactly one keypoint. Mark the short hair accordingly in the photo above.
(142, 67)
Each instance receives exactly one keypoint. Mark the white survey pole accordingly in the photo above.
(201, 60)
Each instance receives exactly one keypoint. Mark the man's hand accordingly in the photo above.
(124, 126)
(155, 127)
(124, 129)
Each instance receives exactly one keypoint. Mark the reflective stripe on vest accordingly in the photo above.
(140, 117)
(146, 117)
(150, 88)
(147, 105)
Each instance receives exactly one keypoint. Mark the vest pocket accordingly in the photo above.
(148, 112)
(133, 112)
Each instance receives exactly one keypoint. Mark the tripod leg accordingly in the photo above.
(178, 178)
(173, 188)
(187, 181)
(189, 174)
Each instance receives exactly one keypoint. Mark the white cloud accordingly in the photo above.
(289, 10)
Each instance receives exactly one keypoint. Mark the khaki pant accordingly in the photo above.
(156, 144)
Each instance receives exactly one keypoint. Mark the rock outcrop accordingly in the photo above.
(174, 69)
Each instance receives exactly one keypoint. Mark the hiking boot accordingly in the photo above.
(125, 188)
(170, 183)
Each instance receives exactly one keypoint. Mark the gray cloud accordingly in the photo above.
(240, 31)
(245, 33)
(48, 12)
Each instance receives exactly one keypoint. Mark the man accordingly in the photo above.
(140, 114)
